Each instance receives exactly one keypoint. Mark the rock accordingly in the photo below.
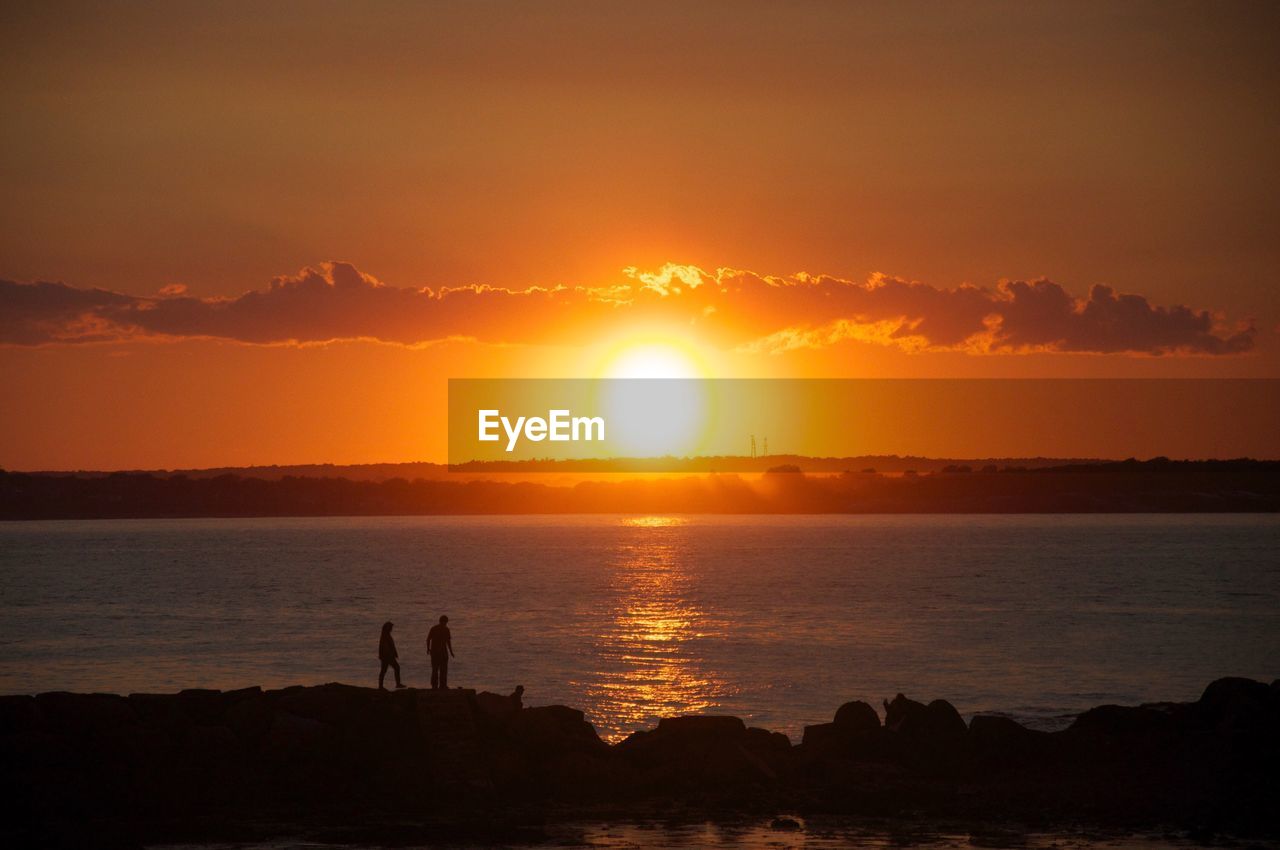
(250, 719)
(821, 736)
(1003, 742)
(582, 776)
(786, 824)
(1131, 737)
(937, 723)
(202, 705)
(707, 752)
(331, 703)
(768, 743)
(550, 730)
(292, 737)
(1234, 688)
(853, 739)
(902, 711)
(159, 710)
(37, 751)
(1235, 703)
(943, 723)
(83, 714)
(449, 724)
(140, 747)
(931, 738)
(211, 746)
(1121, 722)
(18, 714)
(856, 716)
(702, 726)
(334, 750)
(496, 708)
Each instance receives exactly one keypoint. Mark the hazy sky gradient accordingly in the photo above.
(220, 146)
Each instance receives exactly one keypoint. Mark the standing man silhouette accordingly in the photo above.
(440, 645)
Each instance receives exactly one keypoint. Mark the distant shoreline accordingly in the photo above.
(1154, 486)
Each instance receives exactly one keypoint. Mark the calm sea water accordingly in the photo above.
(815, 834)
(775, 619)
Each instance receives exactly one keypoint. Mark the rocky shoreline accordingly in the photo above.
(336, 761)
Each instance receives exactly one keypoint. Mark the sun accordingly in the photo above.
(653, 398)
(652, 358)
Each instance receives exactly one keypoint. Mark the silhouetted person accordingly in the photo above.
(517, 697)
(440, 645)
(387, 655)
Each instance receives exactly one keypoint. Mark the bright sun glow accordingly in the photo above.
(664, 413)
(652, 360)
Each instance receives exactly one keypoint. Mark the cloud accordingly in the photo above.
(35, 313)
(732, 308)
(1042, 315)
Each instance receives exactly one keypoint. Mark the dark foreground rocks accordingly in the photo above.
(82, 769)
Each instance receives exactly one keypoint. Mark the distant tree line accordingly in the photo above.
(1125, 486)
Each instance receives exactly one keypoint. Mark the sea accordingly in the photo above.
(775, 619)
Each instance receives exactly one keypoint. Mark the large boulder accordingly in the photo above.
(1236, 703)
(550, 731)
(929, 737)
(1143, 738)
(704, 752)
(1122, 723)
(902, 711)
(772, 745)
(999, 741)
(943, 722)
(937, 723)
(702, 727)
(496, 709)
(854, 734)
(856, 716)
(819, 736)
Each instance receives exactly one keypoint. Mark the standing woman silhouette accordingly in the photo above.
(387, 655)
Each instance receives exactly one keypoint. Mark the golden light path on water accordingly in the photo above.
(649, 666)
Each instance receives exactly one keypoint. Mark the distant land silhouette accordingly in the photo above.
(543, 469)
(1157, 485)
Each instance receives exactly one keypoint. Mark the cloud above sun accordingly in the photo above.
(731, 308)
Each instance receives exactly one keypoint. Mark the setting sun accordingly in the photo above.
(653, 357)
(666, 413)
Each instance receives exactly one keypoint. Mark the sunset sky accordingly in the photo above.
(244, 234)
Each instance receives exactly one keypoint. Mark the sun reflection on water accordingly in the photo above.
(648, 664)
(653, 521)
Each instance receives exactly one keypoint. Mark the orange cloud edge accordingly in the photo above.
(730, 308)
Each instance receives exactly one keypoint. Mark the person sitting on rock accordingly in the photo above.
(440, 646)
(517, 697)
(387, 654)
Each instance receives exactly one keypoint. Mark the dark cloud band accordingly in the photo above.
(733, 308)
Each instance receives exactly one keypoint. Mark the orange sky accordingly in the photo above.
(849, 190)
